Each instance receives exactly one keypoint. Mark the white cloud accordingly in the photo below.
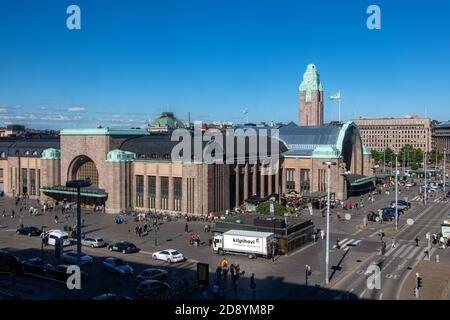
(76, 109)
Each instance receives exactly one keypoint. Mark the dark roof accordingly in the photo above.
(302, 140)
(443, 125)
(159, 146)
(28, 146)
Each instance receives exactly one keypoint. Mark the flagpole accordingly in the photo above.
(339, 109)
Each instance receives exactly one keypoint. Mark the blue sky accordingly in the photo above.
(134, 59)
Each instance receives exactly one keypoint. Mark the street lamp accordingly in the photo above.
(307, 273)
(425, 172)
(42, 245)
(78, 184)
(327, 254)
(445, 153)
(396, 191)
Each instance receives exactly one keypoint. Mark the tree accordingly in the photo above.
(433, 155)
(264, 208)
(389, 155)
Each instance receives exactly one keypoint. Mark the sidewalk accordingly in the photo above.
(435, 281)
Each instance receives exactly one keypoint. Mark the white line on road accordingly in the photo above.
(373, 234)
(399, 250)
(406, 251)
(414, 252)
(347, 243)
(362, 294)
(357, 242)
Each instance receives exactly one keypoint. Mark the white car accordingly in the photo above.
(71, 257)
(169, 255)
(93, 242)
(50, 237)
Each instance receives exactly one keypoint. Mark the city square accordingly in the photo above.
(197, 155)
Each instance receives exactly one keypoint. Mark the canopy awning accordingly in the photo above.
(85, 192)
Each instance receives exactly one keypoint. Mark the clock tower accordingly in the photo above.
(311, 98)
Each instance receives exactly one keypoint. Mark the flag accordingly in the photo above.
(336, 96)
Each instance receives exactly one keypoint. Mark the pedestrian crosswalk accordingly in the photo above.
(410, 252)
(441, 199)
(347, 243)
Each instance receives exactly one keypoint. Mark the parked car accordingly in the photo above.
(406, 203)
(117, 266)
(372, 216)
(124, 247)
(93, 242)
(111, 297)
(51, 236)
(63, 268)
(151, 288)
(29, 231)
(169, 255)
(389, 210)
(35, 266)
(400, 206)
(151, 274)
(71, 257)
(10, 263)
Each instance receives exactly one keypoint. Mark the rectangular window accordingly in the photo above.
(1, 174)
(290, 180)
(177, 193)
(24, 181)
(304, 181)
(322, 180)
(139, 191)
(151, 192)
(164, 193)
(190, 195)
(33, 182)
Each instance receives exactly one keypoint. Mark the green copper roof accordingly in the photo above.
(51, 154)
(311, 82)
(167, 119)
(120, 156)
(326, 152)
(104, 132)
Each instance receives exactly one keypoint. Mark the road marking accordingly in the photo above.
(362, 294)
(414, 252)
(381, 296)
(347, 243)
(399, 250)
(357, 242)
(374, 234)
(356, 232)
(341, 242)
(390, 252)
(407, 251)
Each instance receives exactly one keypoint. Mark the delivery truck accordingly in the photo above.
(249, 243)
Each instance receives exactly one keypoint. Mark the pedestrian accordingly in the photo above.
(186, 228)
(13, 213)
(140, 232)
(205, 228)
(136, 229)
(83, 222)
(417, 241)
(253, 286)
(442, 242)
(190, 238)
(198, 240)
(394, 244)
(218, 273)
(322, 234)
(216, 289)
(4, 213)
(234, 281)
(224, 263)
(56, 219)
(338, 246)
(232, 271)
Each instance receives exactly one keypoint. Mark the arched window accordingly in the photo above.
(27, 153)
(35, 153)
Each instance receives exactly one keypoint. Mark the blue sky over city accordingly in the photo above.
(134, 59)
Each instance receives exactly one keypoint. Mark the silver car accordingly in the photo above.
(93, 242)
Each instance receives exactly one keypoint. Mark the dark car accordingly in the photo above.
(10, 263)
(151, 274)
(111, 297)
(372, 216)
(390, 211)
(36, 266)
(63, 268)
(406, 203)
(124, 247)
(151, 288)
(29, 231)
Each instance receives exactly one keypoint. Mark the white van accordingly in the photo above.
(51, 236)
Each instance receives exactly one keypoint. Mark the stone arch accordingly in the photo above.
(352, 150)
(83, 167)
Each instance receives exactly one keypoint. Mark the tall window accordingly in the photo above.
(177, 193)
(164, 193)
(139, 191)
(33, 182)
(290, 180)
(151, 191)
(24, 180)
(304, 181)
(322, 180)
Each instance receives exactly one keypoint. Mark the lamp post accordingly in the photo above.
(396, 191)
(327, 253)
(42, 245)
(78, 184)
(425, 173)
(307, 273)
(445, 154)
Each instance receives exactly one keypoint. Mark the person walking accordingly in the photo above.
(322, 234)
(186, 228)
(394, 244)
(417, 241)
(253, 286)
(13, 213)
(56, 219)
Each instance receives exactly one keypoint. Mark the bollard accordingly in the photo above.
(437, 258)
